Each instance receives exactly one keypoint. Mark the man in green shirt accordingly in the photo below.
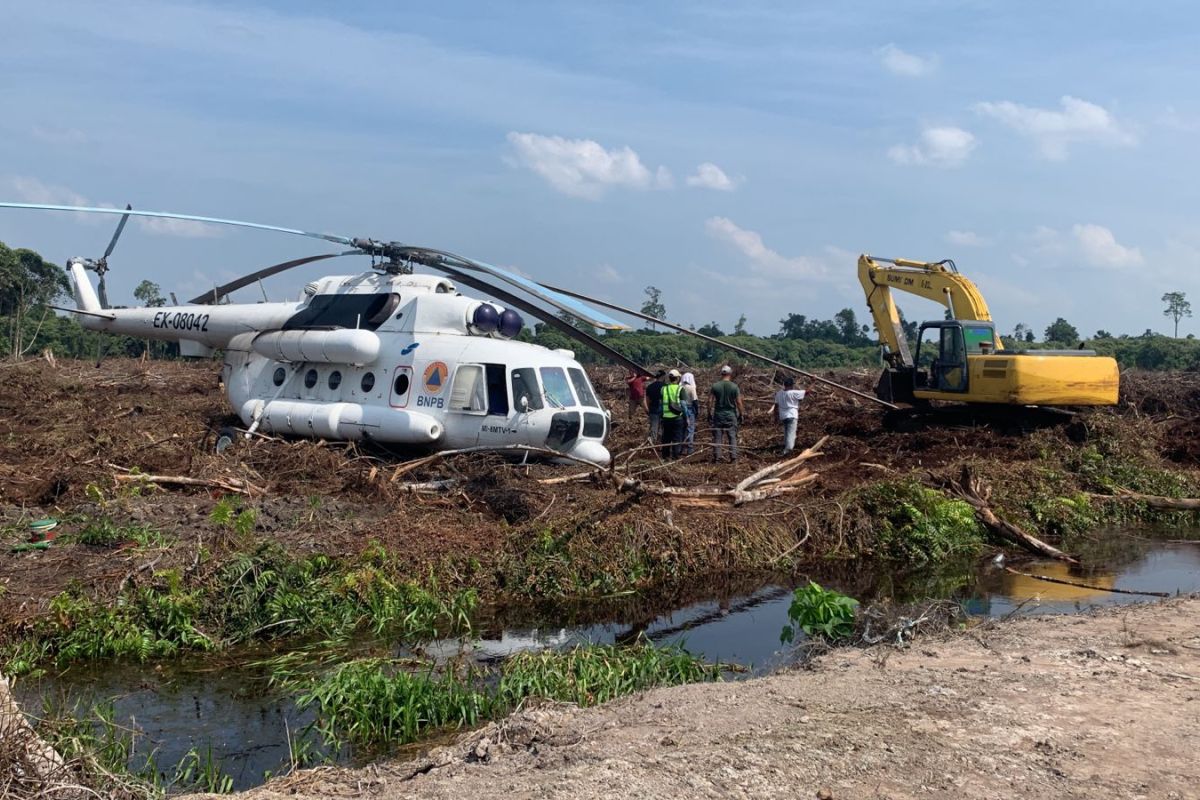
(727, 413)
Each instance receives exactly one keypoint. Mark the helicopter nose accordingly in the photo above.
(591, 450)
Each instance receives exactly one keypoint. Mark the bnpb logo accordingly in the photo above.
(435, 376)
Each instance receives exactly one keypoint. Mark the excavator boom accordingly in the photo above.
(938, 281)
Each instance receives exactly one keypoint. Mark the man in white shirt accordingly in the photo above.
(787, 404)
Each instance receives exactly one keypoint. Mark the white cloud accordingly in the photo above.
(32, 190)
(584, 168)
(938, 147)
(1090, 244)
(1101, 249)
(608, 274)
(898, 62)
(710, 176)
(764, 261)
(967, 239)
(67, 136)
(184, 228)
(1053, 131)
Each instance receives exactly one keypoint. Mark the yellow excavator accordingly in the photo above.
(961, 359)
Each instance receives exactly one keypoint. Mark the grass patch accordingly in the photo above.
(376, 703)
(109, 760)
(266, 595)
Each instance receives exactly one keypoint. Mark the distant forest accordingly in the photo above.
(28, 326)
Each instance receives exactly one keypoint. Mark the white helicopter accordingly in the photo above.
(385, 355)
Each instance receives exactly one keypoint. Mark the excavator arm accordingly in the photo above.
(937, 281)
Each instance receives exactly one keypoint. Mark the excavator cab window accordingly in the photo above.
(942, 351)
(950, 369)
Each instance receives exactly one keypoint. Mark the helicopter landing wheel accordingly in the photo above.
(225, 439)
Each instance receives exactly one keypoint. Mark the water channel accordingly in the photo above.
(224, 708)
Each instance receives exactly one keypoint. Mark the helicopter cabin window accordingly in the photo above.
(526, 394)
(279, 377)
(400, 387)
(310, 379)
(368, 382)
(469, 391)
(335, 380)
(558, 390)
(497, 391)
(582, 388)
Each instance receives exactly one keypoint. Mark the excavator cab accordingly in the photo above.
(942, 350)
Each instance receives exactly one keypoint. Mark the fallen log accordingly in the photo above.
(777, 479)
(236, 485)
(1153, 500)
(976, 494)
(32, 767)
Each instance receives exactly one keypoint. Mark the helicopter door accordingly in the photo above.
(497, 390)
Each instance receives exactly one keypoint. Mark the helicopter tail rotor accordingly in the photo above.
(100, 265)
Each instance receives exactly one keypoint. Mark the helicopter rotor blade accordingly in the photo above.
(442, 260)
(117, 234)
(103, 292)
(328, 237)
(560, 325)
(728, 346)
(218, 293)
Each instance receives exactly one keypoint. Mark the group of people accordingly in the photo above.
(672, 406)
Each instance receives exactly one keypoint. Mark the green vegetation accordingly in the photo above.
(258, 596)
(373, 703)
(917, 525)
(105, 757)
(597, 674)
(820, 612)
(269, 594)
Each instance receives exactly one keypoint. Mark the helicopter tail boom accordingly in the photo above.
(85, 295)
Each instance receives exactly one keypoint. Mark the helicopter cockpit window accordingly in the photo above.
(558, 390)
(468, 392)
(582, 388)
(526, 394)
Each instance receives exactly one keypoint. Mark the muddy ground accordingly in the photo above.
(1101, 705)
(68, 430)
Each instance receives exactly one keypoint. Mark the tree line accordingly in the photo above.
(30, 285)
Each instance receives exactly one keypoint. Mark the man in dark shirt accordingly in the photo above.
(727, 413)
(652, 402)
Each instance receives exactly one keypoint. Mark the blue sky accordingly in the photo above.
(738, 156)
